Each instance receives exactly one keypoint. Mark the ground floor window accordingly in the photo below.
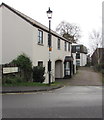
(67, 68)
(78, 62)
(40, 63)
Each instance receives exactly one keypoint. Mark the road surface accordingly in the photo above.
(85, 76)
(67, 102)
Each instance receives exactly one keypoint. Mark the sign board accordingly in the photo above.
(7, 70)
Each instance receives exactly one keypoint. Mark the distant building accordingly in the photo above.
(98, 56)
(79, 54)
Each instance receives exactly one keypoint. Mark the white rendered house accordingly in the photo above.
(21, 34)
(79, 54)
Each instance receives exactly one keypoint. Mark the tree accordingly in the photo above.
(69, 31)
(25, 64)
(95, 43)
(95, 38)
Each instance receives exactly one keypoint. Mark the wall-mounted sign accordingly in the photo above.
(7, 70)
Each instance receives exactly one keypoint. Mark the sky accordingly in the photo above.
(87, 14)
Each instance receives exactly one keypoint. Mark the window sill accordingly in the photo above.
(58, 49)
(40, 44)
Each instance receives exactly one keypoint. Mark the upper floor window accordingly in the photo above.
(49, 40)
(77, 48)
(65, 46)
(68, 46)
(40, 37)
(58, 44)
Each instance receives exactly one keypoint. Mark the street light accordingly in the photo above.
(49, 14)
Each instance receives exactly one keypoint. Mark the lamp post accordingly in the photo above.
(49, 14)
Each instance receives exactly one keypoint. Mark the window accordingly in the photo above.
(58, 44)
(67, 68)
(49, 40)
(77, 62)
(40, 63)
(77, 48)
(68, 46)
(65, 46)
(40, 37)
(77, 55)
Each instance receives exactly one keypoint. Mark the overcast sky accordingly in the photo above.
(87, 14)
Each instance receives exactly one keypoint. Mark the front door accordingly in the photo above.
(58, 69)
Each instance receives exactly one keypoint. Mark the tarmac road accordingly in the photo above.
(67, 102)
(85, 76)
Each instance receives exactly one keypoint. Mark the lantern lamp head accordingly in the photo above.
(49, 13)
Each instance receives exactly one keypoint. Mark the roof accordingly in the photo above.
(82, 49)
(77, 44)
(99, 50)
(68, 58)
(33, 22)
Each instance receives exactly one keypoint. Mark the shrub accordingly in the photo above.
(103, 71)
(99, 67)
(12, 80)
(19, 79)
(38, 74)
(25, 65)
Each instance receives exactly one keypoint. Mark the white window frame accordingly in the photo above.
(39, 63)
(40, 37)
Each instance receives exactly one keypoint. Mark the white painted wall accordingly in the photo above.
(21, 37)
(17, 36)
(0, 62)
(74, 61)
(41, 53)
(83, 59)
(0, 35)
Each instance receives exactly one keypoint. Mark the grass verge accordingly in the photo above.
(31, 84)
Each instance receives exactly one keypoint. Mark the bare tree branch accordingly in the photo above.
(95, 38)
(69, 31)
